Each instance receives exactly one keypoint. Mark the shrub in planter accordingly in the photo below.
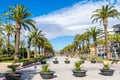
(82, 58)
(43, 61)
(106, 70)
(55, 61)
(13, 75)
(93, 60)
(78, 72)
(67, 61)
(46, 73)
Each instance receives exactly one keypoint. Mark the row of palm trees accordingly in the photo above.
(20, 16)
(81, 43)
(102, 16)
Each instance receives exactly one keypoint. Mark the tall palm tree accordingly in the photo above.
(76, 42)
(22, 44)
(2, 36)
(20, 15)
(47, 47)
(37, 35)
(9, 29)
(29, 44)
(87, 38)
(103, 14)
(94, 31)
(29, 37)
(83, 41)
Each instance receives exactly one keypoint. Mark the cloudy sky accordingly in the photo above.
(61, 20)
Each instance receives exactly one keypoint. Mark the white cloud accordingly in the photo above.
(71, 20)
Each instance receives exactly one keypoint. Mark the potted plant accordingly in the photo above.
(55, 61)
(67, 61)
(78, 72)
(46, 73)
(13, 75)
(106, 70)
(93, 60)
(43, 61)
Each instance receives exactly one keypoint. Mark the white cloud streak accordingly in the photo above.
(71, 20)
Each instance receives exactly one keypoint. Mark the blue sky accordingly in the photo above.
(61, 20)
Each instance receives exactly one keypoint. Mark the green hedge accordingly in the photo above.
(6, 58)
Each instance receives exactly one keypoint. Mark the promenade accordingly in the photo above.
(64, 71)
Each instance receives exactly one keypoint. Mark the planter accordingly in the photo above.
(82, 61)
(43, 62)
(47, 75)
(107, 72)
(9, 76)
(93, 61)
(81, 73)
(55, 62)
(67, 62)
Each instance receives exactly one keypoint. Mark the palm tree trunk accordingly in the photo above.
(8, 50)
(88, 46)
(39, 50)
(35, 49)
(105, 24)
(83, 45)
(17, 41)
(28, 49)
(95, 47)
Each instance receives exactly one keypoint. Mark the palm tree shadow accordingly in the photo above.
(104, 75)
(54, 76)
(28, 74)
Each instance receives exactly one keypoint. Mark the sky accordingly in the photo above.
(61, 20)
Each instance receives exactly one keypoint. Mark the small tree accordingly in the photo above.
(78, 66)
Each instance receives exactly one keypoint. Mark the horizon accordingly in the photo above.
(62, 20)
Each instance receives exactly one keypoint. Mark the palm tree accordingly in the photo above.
(94, 31)
(36, 34)
(83, 41)
(20, 15)
(2, 36)
(9, 29)
(103, 14)
(87, 38)
(47, 47)
(29, 44)
(116, 39)
(22, 44)
(76, 42)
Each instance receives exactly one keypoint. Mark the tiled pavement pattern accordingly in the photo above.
(64, 71)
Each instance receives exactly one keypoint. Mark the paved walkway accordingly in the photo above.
(63, 71)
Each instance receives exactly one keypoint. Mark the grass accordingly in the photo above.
(21, 60)
(98, 59)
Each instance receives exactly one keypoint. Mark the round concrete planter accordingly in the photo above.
(9, 76)
(107, 72)
(43, 62)
(83, 61)
(67, 62)
(93, 61)
(55, 62)
(81, 73)
(47, 75)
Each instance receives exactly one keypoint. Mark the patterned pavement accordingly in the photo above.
(64, 71)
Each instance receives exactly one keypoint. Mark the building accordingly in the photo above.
(117, 28)
(101, 48)
(113, 47)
